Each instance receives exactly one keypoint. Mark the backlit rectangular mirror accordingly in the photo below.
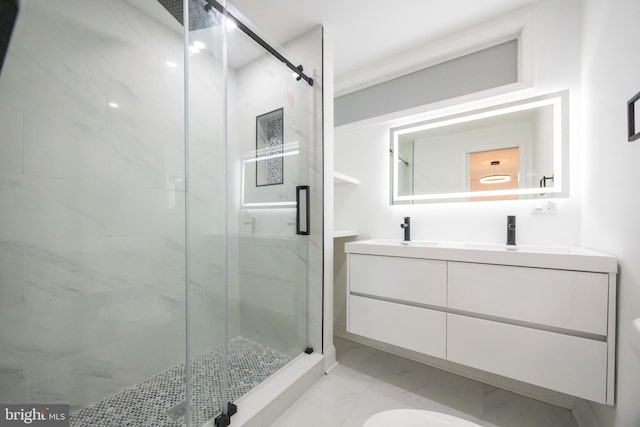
(509, 151)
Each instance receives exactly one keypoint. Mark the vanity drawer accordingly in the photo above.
(413, 328)
(565, 299)
(419, 281)
(572, 365)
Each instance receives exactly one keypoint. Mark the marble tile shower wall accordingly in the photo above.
(92, 202)
(272, 299)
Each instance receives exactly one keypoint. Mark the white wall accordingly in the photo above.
(611, 200)
(553, 31)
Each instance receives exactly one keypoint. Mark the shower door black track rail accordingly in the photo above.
(296, 69)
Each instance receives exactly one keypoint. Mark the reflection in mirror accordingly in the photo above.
(505, 152)
(500, 174)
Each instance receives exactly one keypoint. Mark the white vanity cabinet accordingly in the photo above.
(573, 300)
(557, 361)
(542, 317)
(383, 292)
(420, 281)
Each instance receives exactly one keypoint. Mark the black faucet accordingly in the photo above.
(511, 230)
(407, 228)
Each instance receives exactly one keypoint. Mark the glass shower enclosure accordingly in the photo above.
(158, 207)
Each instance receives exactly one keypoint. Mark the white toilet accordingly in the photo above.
(416, 418)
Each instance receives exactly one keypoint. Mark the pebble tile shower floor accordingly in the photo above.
(147, 403)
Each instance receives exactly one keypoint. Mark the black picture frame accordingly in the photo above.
(277, 164)
(633, 116)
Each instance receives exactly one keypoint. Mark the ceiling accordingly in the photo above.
(367, 31)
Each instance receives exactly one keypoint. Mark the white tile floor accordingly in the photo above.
(368, 381)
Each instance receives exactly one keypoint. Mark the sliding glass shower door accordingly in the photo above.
(269, 115)
(247, 209)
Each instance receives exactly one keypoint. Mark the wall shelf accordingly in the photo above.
(344, 179)
(340, 179)
(344, 233)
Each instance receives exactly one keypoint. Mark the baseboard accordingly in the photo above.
(584, 415)
(330, 361)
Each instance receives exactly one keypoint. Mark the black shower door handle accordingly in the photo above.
(302, 210)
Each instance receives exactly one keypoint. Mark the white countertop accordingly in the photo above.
(559, 257)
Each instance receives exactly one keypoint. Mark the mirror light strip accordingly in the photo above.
(473, 194)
